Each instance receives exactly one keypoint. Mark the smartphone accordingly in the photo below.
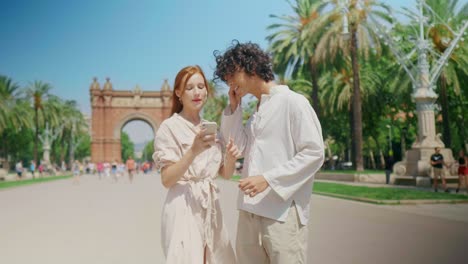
(211, 127)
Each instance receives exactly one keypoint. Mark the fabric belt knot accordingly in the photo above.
(205, 191)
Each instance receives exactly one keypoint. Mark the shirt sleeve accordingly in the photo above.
(231, 126)
(289, 177)
(165, 148)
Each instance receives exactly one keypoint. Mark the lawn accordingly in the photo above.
(382, 193)
(9, 184)
(377, 193)
(353, 171)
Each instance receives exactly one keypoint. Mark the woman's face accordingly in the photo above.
(194, 96)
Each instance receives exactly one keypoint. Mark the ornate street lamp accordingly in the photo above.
(423, 77)
(390, 148)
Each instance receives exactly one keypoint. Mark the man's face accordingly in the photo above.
(437, 150)
(238, 82)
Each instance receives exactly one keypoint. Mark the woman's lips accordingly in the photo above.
(197, 100)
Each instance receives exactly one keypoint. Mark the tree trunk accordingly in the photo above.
(352, 146)
(462, 130)
(372, 160)
(445, 111)
(315, 87)
(71, 150)
(382, 158)
(36, 140)
(357, 111)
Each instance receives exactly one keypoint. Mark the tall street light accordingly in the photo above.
(390, 148)
(423, 77)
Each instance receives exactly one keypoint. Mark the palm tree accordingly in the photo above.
(337, 86)
(38, 92)
(9, 95)
(74, 126)
(14, 112)
(293, 43)
(69, 111)
(440, 36)
(363, 41)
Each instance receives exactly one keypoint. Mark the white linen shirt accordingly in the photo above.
(283, 142)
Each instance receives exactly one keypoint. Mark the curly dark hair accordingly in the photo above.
(248, 57)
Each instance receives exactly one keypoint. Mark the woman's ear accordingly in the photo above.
(177, 92)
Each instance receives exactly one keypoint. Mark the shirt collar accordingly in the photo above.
(275, 90)
(278, 89)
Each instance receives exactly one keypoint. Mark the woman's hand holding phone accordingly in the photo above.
(205, 138)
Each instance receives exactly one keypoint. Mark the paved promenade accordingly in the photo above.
(100, 222)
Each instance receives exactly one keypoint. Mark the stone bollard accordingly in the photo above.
(422, 181)
(3, 174)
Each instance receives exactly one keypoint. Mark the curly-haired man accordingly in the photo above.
(283, 149)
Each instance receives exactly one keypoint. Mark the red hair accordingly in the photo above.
(181, 82)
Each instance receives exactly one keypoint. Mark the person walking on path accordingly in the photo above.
(283, 148)
(130, 164)
(437, 163)
(76, 172)
(100, 169)
(462, 170)
(193, 229)
(388, 168)
(19, 170)
(114, 170)
(32, 168)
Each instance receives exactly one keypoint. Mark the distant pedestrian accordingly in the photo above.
(437, 163)
(114, 170)
(130, 168)
(462, 170)
(32, 167)
(76, 172)
(389, 161)
(40, 169)
(107, 168)
(100, 169)
(19, 170)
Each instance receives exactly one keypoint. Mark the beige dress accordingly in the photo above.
(191, 217)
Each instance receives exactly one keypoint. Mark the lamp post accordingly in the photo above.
(423, 77)
(344, 12)
(390, 148)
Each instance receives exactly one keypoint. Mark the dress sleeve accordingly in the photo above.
(166, 150)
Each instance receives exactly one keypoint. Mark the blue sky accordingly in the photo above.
(67, 43)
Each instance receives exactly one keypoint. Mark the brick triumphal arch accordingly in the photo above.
(112, 109)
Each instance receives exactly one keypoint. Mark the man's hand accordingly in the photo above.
(253, 185)
(232, 152)
(234, 98)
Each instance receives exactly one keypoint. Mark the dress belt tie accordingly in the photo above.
(205, 191)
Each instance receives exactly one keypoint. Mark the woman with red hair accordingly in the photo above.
(193, 230)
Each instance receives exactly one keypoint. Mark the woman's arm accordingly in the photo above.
(172, 173)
